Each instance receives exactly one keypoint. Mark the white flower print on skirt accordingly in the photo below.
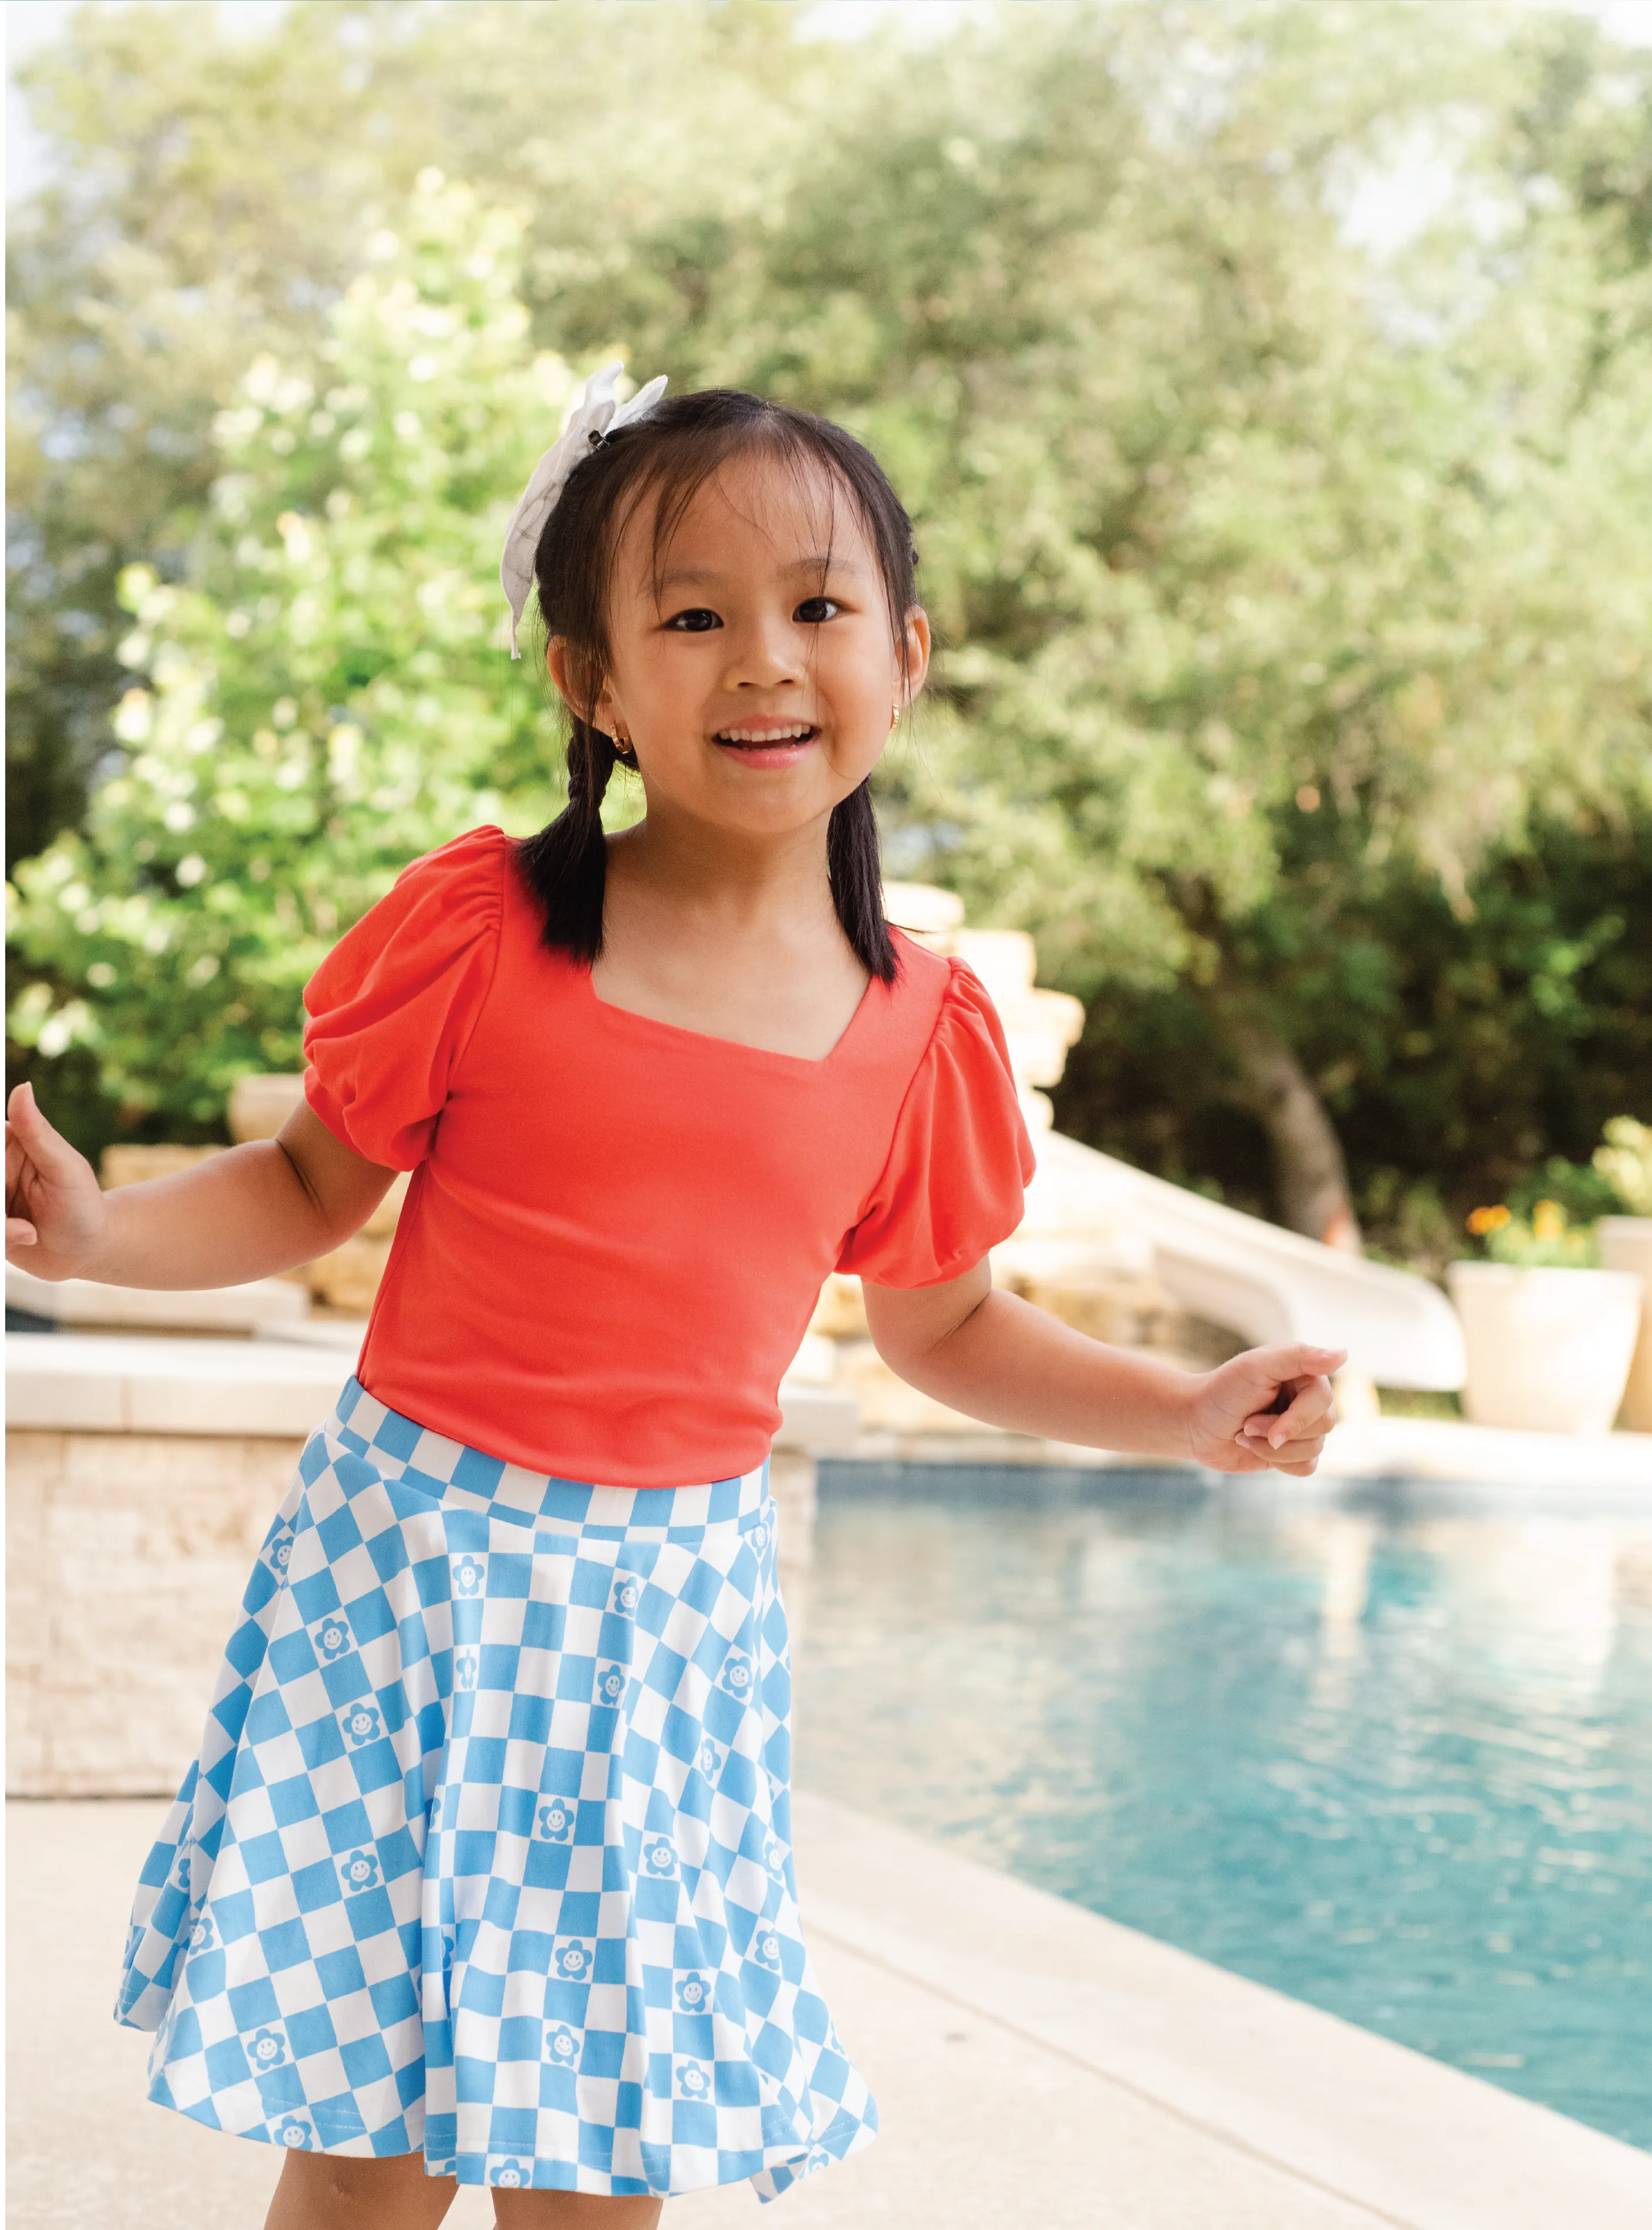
(488, 1851)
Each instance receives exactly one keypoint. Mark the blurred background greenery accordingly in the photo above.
(1271, 385)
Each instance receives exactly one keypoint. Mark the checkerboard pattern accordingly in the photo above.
(488, 1852)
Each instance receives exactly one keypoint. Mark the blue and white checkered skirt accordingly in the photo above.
(487, 1851)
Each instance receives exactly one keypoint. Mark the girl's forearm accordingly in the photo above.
(246, 1212)
(1012, 1365)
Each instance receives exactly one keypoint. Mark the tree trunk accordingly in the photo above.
(1310, 1175)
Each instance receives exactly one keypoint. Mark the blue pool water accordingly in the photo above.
(1391, 1755)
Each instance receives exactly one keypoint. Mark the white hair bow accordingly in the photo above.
(595, 415)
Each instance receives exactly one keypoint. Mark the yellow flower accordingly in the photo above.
(1483, 1220)
(1548, 1221)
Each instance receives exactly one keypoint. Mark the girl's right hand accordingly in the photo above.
(56, 1216)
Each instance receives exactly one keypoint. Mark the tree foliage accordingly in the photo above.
(325, 697)
(1296, 689)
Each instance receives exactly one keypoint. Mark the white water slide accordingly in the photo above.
(1092, 1218)
(1088, 1211)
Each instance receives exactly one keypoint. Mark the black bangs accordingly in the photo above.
(664, 460)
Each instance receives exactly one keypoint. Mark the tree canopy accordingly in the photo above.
(1296, 687)
(324, 697)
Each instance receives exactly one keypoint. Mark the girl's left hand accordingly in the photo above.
(1268, 1409)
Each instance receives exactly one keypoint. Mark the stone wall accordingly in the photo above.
(126, 1556)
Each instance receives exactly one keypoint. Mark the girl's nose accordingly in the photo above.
(764, 655)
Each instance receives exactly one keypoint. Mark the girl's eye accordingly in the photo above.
(814, 611)
(698, 620)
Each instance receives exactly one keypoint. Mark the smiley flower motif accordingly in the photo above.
(710, 1760)
(511, 2173)
(557, 1820)
(765, 1948)
(627, 1593)
(659, 1857)
(561, 2045)
(295, 2134)
(693, 2081)
(774, 1855)
(610, 1683)
(573, 1960)
(693, 1992)
(759, 1538)
(333, 1637)
(266, 2050)
(464, 1670)
(202, 1934)
(359, 1871)
(470, 1574)
(361, 1724)
(736, 1675)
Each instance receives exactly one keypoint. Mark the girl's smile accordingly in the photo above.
(767, 743)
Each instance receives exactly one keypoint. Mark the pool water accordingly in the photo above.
(1391, 1756)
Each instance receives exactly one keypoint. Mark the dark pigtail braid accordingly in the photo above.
(567, 862)
(856, 875)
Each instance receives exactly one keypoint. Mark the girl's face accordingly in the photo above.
(754, 673)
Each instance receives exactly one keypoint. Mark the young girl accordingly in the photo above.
(484, 1871)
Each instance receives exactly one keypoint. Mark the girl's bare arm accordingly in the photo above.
(245, 1214)
(994, 1358)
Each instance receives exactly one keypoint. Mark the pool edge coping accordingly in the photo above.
(1413, 2142)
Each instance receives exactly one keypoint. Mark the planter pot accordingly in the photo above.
(1626, 1244)
(1548, 1349)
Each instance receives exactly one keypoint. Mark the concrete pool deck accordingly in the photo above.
(1035, 2065)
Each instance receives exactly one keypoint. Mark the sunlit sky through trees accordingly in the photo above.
(29, 22)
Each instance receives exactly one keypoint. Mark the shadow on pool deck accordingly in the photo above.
(1033, 2064)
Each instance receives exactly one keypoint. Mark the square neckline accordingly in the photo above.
(737, 1045)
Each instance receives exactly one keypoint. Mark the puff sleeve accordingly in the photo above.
(392, 1006)
(952, 1186)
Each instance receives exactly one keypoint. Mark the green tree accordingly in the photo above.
(325, 698)
(1457, 1052)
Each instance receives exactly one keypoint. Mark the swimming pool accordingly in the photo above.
(1391, 1755)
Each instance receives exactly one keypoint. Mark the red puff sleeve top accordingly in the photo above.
(618, 1229)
